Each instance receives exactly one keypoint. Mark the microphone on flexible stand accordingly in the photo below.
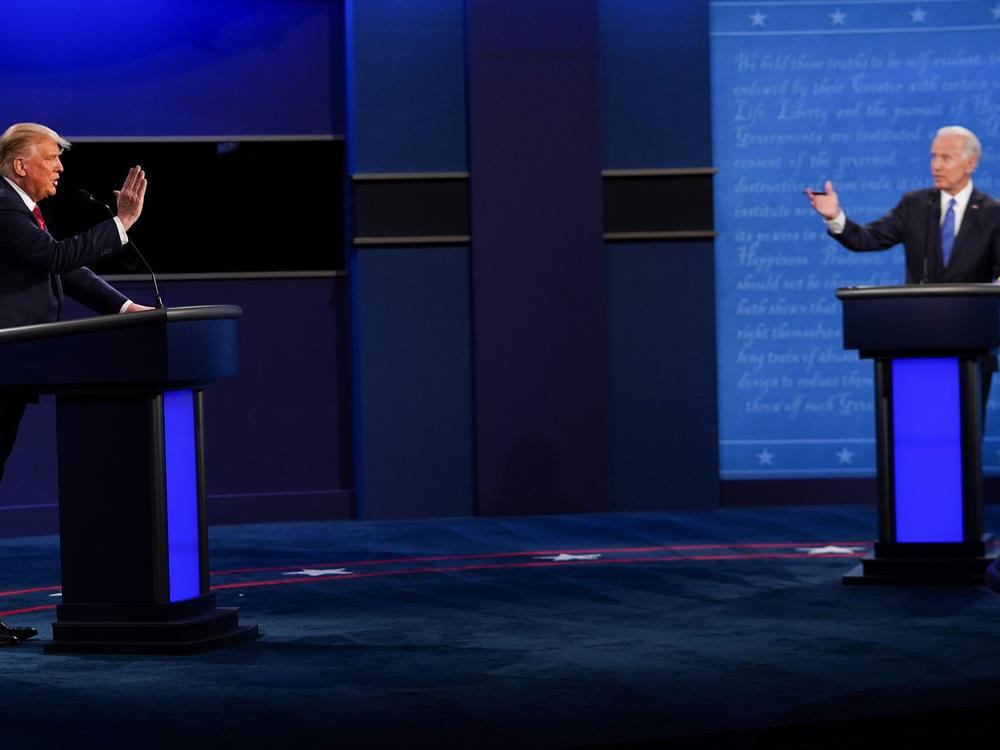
(156, 287)
(930, 205)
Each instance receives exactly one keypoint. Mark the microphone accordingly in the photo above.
(156, 287)
(930, 213)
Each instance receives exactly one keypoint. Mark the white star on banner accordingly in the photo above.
(565, 557)
(830, 549)
(838, 17)
(764, 458)
(918, 14)
(757, 19)
(58, 593)
(995, 10)
(845, 455)
(313, 572)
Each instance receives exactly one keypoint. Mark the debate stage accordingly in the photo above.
(685, 629)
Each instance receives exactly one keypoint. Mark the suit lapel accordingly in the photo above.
(970, 224)
(8, 193)
(55, 282)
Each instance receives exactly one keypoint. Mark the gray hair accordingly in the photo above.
(970, 144)
(20, 137)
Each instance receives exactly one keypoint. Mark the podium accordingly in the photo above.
(928, 343)
(130, 439)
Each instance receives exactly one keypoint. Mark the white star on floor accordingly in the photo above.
(844, 455)
(830, 549)
(565, 557)
(757, 19)
(838, 17)
(764, 458)
(313, 572)
(918, 14)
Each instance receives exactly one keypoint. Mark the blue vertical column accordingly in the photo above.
(409, 303)
(927, 450)
(539, 309)
(181, 472)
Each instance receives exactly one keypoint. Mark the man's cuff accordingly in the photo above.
(837, 223)
(125, 306)
(121, 230)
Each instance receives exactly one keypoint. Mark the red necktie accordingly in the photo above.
(38, 216)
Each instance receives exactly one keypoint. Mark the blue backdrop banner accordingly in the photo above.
(802, 92)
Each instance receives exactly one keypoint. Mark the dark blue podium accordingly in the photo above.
(929, 343)
(130, 439)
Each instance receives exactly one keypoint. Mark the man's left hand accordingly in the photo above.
(132, 307)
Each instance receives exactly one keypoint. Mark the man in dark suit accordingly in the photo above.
(36, 270)
(950, 233)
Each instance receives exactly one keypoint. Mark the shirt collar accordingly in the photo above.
(961, 197)
(24, 196)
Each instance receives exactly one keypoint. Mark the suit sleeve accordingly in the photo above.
(23, 244)
(994, 240)
(91, 290)
(881, 234)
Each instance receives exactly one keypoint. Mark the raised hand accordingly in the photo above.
(828, 205)
(130, 198)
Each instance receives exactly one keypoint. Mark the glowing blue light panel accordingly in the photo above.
(927, 427)
(174, 67)
(804, 92)
(182, 495)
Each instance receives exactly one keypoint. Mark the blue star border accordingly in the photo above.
(791, 17)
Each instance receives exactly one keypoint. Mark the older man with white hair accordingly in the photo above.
(950, 232)
(36, 269)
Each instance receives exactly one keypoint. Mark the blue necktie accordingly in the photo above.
(948, 232)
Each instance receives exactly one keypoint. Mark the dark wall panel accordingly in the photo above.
(538, 272)
(662, 343)
(657, 150)
(406, 85)
(655, 95)
(412, 369)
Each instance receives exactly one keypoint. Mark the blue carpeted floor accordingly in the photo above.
(713, 629)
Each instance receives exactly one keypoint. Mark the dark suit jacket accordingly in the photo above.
(35, 269)
(915, 222)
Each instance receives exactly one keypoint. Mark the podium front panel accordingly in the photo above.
(927, 450)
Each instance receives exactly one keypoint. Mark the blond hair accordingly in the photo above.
(20, 137)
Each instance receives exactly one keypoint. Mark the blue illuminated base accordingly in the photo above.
(189, 627)
(928, 427)
(133, 533)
